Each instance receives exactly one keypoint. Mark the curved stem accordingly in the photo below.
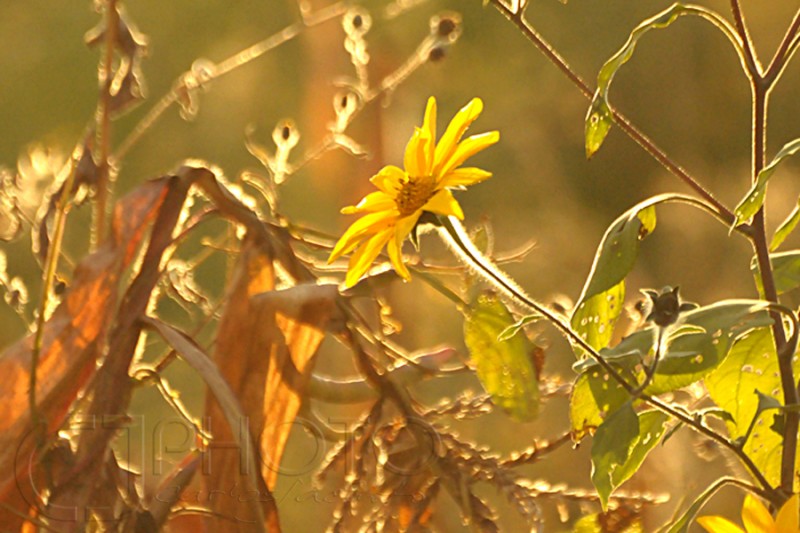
(785, 50)
(455, 235)
(749, 58)
(624, 124)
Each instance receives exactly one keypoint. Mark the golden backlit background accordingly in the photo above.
(683, 87)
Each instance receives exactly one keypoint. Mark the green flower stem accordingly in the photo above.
(454, 234)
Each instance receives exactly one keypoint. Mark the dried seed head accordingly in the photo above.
(446, 28)
(356, 22)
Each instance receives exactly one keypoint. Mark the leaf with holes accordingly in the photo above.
(504, 367)
(601, 301)
(611, 448)
(651, 428)
(785, 270)
(707, 334)
(751, 366)
(754, 198)
(593, 397)
(599, 117)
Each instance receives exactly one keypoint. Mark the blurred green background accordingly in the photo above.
(683, 87)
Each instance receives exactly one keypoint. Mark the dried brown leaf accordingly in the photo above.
(72, 341)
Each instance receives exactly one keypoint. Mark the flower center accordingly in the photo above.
(415, 193)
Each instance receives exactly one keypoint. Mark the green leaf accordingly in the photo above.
(707, 334)
(785, 270)
(754, 198)
(751, 366)
(601, 301)
(611, 448)
(599, 118)
(786, 228)
(504, 367)
(651, 428)
(594, 395)
(594, 319)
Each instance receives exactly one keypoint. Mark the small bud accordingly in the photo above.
(436, 54)
(666, 306)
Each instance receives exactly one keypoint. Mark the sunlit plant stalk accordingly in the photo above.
(760, 85)
(51, 265)
(454, 234)
(103, 118)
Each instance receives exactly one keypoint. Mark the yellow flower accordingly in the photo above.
(757, 519)
(431, 169)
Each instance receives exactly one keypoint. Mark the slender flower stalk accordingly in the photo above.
(430, 171)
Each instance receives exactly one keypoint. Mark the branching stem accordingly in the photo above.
(517, 18)
(455, 235)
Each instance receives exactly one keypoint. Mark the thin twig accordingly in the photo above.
(785, 49)
(624, 124)
(226, 66)
(53, 253)
(751, 63)
(104, 124)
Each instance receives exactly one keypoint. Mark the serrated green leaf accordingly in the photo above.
(599, 118)
(594, 395)
(785, 271)
(751, 366)
(611, 447)
(504, 368)
(754, 198)
(786, 228)
(602, 297)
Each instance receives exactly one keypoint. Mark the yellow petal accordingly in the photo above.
(396, 255)
(443, 203)
(464, 176)
(415, 160)
(717, 524)
(404, 226)
(429, 125)
(371, 223)
(467, 148)
(363, 258)
(755, 516)
(389, 179)
(788, 517)
(455, 130)
(374, 201)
